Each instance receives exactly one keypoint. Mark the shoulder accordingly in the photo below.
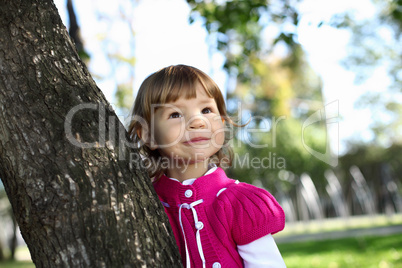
(240, 194)
(253, 212)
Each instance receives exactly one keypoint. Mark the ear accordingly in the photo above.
(146, 138)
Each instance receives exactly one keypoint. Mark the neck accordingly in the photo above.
(185, 172)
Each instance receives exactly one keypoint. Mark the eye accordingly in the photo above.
(175, 115)
(206, 110)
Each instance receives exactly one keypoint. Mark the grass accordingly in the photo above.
(367, 252)
(17, 264)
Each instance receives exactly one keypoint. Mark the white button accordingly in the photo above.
(199, 225)
(216, 265)
(188, 193)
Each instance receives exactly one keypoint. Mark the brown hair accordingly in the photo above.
(165, 86)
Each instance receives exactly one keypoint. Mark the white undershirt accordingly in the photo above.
(262, 252)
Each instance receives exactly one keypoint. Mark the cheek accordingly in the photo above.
(168, 134)
(219, 134)
(220, 139)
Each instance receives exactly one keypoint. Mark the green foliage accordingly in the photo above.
(120, 62)
(261, 155)
(268, 85)
(392, 13)
(375, 45)
(85, 57)
(124, 96)
(370, 158)
(237, 29)
(280, 141)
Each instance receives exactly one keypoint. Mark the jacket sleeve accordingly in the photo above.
(253, 213)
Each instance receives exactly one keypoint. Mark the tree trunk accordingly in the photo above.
(78, 191)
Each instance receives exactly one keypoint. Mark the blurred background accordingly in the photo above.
(319, 83)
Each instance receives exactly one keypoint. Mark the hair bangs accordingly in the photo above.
(171, 92)
(175, 82)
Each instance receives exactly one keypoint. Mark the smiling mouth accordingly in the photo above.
(197, 140)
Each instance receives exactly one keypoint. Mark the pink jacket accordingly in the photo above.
(215, 214)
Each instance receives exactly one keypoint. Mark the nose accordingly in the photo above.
(196, 122)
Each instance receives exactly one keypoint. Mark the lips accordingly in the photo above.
(197, 140)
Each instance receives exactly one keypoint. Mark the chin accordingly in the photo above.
(197, 160)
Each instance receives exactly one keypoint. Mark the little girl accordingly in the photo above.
(178, 120)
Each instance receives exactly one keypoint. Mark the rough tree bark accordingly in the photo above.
(78, 192)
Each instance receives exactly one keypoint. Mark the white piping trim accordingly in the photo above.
(198, 225)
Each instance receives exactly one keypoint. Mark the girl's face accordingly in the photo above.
(188, 130)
